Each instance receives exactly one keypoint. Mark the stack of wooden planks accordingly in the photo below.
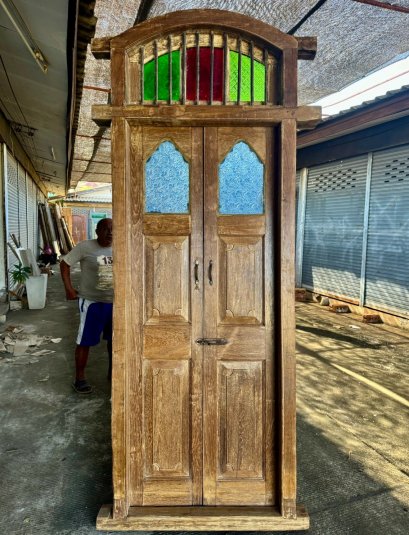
(54, 229)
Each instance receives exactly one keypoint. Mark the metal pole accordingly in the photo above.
(362, 288)
(299, 243)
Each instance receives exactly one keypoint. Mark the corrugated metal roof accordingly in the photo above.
(98, 195)
(388, 95)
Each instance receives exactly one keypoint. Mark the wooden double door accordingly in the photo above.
(201, 426)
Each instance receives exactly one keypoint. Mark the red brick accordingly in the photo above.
(371, 318)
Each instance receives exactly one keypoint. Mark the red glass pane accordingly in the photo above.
(205, 71)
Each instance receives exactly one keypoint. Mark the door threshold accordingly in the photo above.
(202, 518)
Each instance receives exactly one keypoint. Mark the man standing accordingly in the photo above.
(95, 297)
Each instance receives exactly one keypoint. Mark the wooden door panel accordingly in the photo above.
(172, 341)
(165, 448)
(238, 376)
(240, 387)
(79, 228)
(242, 225)
(241, 280)
(166, 225)
(167, 278)
(243, 340)
(166, 401)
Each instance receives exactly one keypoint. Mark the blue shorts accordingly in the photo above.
(95, 318)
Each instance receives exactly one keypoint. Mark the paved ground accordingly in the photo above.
(353, 422)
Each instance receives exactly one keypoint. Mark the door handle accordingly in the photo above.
(196, 274)
(212, 341)
(210, 272)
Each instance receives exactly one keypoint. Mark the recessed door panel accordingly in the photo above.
(241, 280)
(167, 435)
(240, 387)
(167, 279)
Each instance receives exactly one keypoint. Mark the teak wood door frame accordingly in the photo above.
(128, 231)
(283, 117)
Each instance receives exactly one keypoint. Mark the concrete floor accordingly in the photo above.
(353, 422)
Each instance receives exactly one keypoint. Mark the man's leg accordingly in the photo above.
(81, 359)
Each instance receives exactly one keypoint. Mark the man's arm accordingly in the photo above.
(70, 292)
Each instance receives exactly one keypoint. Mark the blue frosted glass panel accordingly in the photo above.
(241, 182)
(167, 181)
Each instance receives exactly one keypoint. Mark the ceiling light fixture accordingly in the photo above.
(23, 31)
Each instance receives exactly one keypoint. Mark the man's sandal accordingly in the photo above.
(82, 387)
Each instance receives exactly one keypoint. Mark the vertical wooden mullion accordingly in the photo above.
(142, 63)
(170, 68)
(196, 210)
(286, 321)
(251, 73)
(135, 209)
(155, 101)
(210, 431)
(197, 68)
(211, 66)
(266, 78)
(225, 68)
(119, 346)
(239, 73)
(270, 372)
(184, 67)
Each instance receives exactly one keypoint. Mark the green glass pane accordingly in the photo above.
(163, 77)
(259, 78)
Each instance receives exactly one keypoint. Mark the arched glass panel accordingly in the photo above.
(245, 79)
(167, 181)
(241, 182)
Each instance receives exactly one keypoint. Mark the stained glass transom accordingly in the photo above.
(205, 66)
(167, 181)
(241, 182)
(245, 80)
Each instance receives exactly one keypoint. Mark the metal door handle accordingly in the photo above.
(196, 274)
(210, 272)
(212, 341)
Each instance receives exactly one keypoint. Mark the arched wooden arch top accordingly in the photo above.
(256, 62)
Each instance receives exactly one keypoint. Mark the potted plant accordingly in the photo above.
(19, 276)
(36, 286)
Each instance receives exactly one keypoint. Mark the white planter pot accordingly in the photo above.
(36, 291)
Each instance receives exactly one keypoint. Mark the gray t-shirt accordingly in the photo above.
(96, 270)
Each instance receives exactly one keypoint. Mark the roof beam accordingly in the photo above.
(384, 5)
(311, 12)
(143, 12)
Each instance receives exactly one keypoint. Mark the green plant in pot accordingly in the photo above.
(20, 274)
